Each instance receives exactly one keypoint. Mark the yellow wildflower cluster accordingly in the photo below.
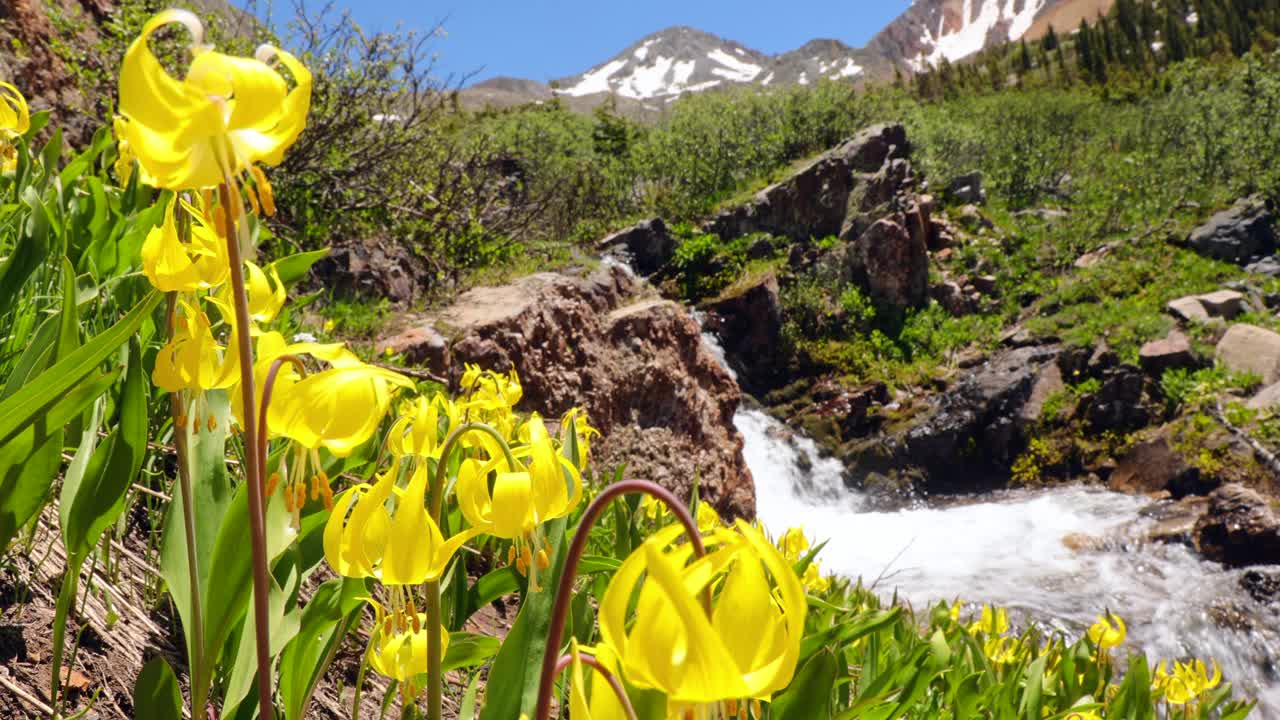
(1188, 682)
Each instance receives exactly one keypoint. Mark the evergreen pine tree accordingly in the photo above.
(1175, 36)
(1050, 40)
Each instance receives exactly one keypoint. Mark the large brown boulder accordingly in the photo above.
(1153, 466)
(638, 365)
(1240, 528)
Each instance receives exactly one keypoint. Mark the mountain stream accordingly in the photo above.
(1008, 549)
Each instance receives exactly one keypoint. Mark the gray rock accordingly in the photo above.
(648, 245)
(951, 296)
(1048, 383)
(1118, 405)
(968, 189)
(1188, 309)
(972, 219)
(1269, 266)
(1171, 352)
(1248, 348)
(1237, 234)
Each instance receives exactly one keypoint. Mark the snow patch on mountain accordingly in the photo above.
(734, 69)
(954, 43)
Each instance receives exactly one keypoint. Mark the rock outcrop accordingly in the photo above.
(813, 202)
(636, 363)
(862, 192)
(646, 246)
(373, 268)
(967, 437)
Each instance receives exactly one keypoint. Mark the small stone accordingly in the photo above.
(985, 284)
(1171, 352)
(1188, 309)
(1267, 397)
(1223, 303)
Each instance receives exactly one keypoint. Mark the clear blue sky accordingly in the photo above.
(548, 39)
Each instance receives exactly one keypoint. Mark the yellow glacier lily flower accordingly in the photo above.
(1187, 682)
(417, 433)
(15, 119)
(174, 266)
(575, 421)
(793, 544)
(400, 547)
(814, 581)
(338, 409)
(672, 644)
(707, 518)
(399, 650)
(1107, 634)
(192, 359)
(521, 498)
(992, 622)
(226, 114)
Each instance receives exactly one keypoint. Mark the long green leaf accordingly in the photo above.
(207, 462)
(25, 406)
(91, 504)
(468, 650)
(30, 460)
(332, 609)
(808, 697)
(512, 689)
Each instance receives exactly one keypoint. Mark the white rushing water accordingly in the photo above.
(1008, 549)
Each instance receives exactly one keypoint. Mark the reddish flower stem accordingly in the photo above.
(564, 590)
(268, 387)
(253, 470)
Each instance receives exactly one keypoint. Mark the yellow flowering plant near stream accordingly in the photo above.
(145, 341)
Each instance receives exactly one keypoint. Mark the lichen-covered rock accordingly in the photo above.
(812, 203)
(637, 364)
